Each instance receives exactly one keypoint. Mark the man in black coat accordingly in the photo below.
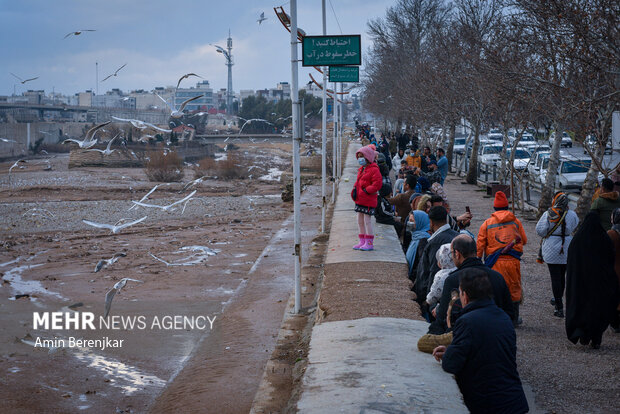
(463, 251)
(441, 234)
(483, 353)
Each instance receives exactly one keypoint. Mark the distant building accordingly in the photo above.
(85, 98)
(148, 100)
(114, 99)
(204, 103)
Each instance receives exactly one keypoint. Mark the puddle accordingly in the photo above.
(14, 370)
(220, 291)
(26, 287)
(124, 376)
(240, 255)
(198, 255)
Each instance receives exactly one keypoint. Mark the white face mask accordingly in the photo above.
(361, 161)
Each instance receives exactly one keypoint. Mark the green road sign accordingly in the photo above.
(331, 50)
(344, 74)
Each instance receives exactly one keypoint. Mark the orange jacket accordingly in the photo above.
(498, 231)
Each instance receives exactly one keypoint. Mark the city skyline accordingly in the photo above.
(159, 43)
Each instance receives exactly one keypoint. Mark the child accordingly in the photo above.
(365, 190)
(444, 261)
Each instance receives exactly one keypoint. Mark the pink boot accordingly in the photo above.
(368, 245)
(361, 243)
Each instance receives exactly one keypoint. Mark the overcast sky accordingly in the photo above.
(160, 40)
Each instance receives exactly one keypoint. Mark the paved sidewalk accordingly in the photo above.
(362, 364)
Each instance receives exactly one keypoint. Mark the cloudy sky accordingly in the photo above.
(160, 40)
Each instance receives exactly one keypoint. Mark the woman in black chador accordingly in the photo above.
(591, 283)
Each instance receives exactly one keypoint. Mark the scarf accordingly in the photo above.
(558, 207)
(422, 227)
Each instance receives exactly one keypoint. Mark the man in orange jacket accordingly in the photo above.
(500, 242)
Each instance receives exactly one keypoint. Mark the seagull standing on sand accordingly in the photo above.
(108, 262)
(78, 32)
(114, 74)
(116, 289)
(112, 227)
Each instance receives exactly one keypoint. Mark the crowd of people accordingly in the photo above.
(469, 286)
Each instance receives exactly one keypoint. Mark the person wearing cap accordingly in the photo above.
(500, 242)
(433, 175)
(427, 157)
(364, 194)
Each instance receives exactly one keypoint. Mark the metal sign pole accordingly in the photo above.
(296, 144)
(324, 133)
(335, 150)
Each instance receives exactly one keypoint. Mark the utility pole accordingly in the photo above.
(229, 63)
(296, 144)
(324, 133)
(96, 78)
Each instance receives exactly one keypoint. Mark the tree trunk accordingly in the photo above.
(450, 148)
(472, 173)
(461, 166)
(546, 195)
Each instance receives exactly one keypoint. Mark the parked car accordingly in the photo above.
(591, 142)
(521, 159)
(483, 142)
(459, 144)
(495, 135)
(490, 154)
(566, 140)
(537, 159)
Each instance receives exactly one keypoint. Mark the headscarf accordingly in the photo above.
(591, 282)
(615, 220)
(444, 258)
(558, 207)
(438, 189)
(422, 227)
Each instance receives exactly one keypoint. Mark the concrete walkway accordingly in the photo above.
(367, 364)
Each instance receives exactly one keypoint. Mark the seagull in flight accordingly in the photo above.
(106, 151)
(7, 140)
(89, 139)
(187, 75)
(114, 74)
(178, 113)
(136, 123)
(146, 196)
(108, 262)
(193, 183)
(262, 18)
(113, 227)
(17, 165)
(116, 289)
(169, 206)
(23, 80)
(78, 32)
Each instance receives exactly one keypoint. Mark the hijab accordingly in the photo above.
(558, 207)
(591, 282)
(422, 227)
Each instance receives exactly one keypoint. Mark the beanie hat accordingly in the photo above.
(500, 200)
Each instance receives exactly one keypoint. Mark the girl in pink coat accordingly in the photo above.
(365, 190)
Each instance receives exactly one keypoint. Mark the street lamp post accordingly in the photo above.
(229, 62)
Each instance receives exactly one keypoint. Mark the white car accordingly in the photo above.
(521, 159)
(572, 172)
(459, 145)
(490, 154)
(534, 168)
(495, 135)
(566, 140)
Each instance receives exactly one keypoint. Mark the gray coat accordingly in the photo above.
(552, 245)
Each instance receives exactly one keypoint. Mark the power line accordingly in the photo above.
(336, 17)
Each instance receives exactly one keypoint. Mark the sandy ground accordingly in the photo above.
(565, 378)
(232, 240)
